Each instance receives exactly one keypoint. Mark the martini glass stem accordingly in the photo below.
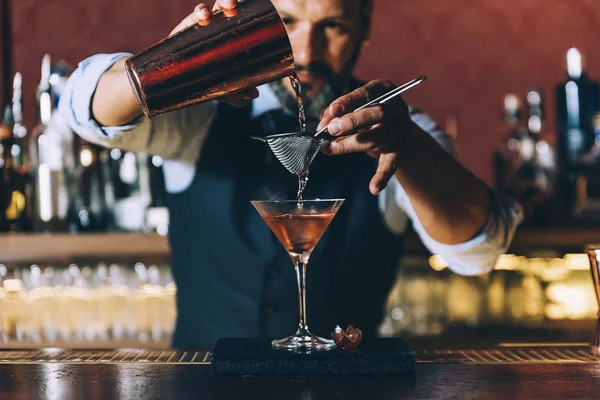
(300, 262)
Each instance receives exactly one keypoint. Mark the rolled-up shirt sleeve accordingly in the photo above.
(475, 256)
(478, 255)
(177, 135)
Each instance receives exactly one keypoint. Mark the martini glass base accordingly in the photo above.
(303, 342)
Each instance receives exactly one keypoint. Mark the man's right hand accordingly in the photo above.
(114, 102)
(202, 16)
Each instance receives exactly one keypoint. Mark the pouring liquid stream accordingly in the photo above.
(302, 177)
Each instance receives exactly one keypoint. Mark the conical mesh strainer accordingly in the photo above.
(297, 150)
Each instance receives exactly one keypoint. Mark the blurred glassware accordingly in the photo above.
(87, 304)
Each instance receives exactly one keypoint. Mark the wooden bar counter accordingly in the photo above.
(522, 372)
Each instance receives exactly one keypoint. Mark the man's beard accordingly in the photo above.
(313, 105)
(336, 86)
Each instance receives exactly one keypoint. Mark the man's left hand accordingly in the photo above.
(379, 130)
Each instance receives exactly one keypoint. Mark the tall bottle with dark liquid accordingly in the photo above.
(19, 209)
(578, 100)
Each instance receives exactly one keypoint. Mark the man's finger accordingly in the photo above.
(224, 5)
(373, 138)
(326, 117)
(359, 97)
(363, 119)
(385, 170)
(201, 15)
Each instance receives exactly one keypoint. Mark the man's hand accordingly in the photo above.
(202, 16)
(379, 130)
(451, 203)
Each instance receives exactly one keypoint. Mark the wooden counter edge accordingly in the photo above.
(56, 248)
(66, 248)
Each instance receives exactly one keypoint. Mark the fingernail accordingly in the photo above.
(230, 13)
(335, 127)
(326, 147)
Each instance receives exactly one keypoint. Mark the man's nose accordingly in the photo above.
(308, 46)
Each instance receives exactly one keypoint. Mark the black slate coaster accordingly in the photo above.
(255, 356)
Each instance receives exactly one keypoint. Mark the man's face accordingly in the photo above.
(325, 35)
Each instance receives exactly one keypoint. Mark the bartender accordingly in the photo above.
(391, 163)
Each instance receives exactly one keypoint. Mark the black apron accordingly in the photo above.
(234, 279)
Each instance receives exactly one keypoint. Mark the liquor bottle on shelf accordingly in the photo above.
(157, 215)
(578, 100)
(514, 156)
(60, 73)
(126, 178)
(524, 160)
(87, 210)
(47, 166)
(544, 161)
(586, 203)
(506, 152)
(6, 139)
(21, 192)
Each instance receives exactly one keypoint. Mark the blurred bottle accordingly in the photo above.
(47, 166)
(61, 140)
(514, 157)
(586, 202)
(157, 215)
(58, 79)
(21, 190)
(506, 152)
(126, 176)
(6, 139)
(544, 163)
(578, 99)
(524, 160)
(87, 210)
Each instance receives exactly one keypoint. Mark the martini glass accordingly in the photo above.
(299, 226)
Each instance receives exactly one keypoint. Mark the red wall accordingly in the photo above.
(474, 51)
